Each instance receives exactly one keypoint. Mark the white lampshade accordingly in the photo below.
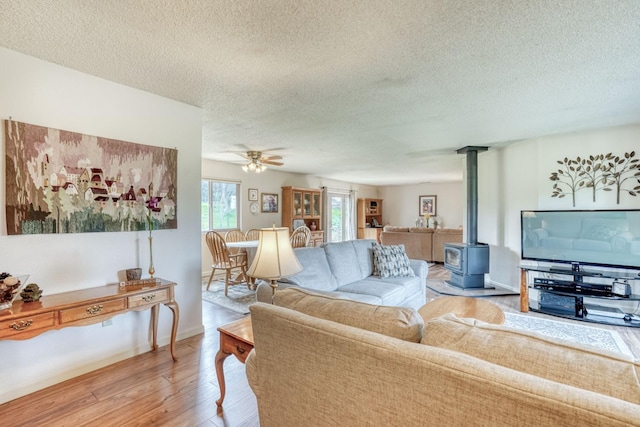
(274, 258)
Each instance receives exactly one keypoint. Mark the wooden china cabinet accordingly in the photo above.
(303, 206)
(369, 219)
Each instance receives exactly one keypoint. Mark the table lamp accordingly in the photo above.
(274, 257)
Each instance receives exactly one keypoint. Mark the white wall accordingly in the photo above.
(400, 203)
(45, 94)
(269, 181)
(516, 178)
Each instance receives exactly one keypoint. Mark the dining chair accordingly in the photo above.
(224, 260)
(235, 236)
(252, 234)
(300, 237)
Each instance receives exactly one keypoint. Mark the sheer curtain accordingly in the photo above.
(326, 218)
(353, 219)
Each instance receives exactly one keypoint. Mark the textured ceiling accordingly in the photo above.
(366, 92)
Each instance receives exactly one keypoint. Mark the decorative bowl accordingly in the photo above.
(9, 289)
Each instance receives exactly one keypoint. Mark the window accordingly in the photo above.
(220, 205)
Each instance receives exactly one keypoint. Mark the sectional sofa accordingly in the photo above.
(421, 243)
(322, 361)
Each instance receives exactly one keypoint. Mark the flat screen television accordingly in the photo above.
(609, 238)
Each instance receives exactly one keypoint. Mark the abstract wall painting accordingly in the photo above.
(66, 182)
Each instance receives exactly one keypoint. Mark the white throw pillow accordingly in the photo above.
(391, 261)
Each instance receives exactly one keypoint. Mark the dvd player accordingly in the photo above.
(572, 287)
(553, 285)
(594, 289)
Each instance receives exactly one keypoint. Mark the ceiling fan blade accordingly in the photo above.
(271, 158)
(269, 162)
(243, 155)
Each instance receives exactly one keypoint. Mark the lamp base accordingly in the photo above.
(274, 286)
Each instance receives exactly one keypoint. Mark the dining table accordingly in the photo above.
(251, 247)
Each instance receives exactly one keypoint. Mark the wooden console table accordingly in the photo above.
(88, 306)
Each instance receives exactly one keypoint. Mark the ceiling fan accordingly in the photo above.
(257, 161)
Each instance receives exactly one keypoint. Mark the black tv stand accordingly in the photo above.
(572, 302)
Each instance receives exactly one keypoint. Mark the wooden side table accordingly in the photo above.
(475, 308)
(235, 338)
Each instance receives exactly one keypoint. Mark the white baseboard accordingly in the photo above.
(502, 285)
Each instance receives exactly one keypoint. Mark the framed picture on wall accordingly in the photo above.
(427, 205)
(253, 194)
(269, 202)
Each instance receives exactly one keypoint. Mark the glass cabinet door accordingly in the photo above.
(297, 203)
(307, 205)
(316, 204)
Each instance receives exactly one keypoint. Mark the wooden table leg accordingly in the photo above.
(220, 357)
(154, 326)
(524, 292)
(235, 338)
(173, 306)
(252, 282)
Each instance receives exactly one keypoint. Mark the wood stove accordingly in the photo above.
(468, 262)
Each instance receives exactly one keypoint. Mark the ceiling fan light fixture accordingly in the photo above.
(257, 163)
(254, 165)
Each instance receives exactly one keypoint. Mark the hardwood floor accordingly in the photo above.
(150, 389)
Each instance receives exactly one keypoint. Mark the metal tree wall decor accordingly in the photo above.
(599, 172)
(66, 182)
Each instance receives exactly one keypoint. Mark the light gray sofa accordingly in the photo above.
(345, 270)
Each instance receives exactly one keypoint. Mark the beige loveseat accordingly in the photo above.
(421, 243)
(320, 361)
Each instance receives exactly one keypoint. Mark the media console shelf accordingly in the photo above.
(598, 296)
(88, 306)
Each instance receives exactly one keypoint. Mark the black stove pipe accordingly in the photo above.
(472, 191)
